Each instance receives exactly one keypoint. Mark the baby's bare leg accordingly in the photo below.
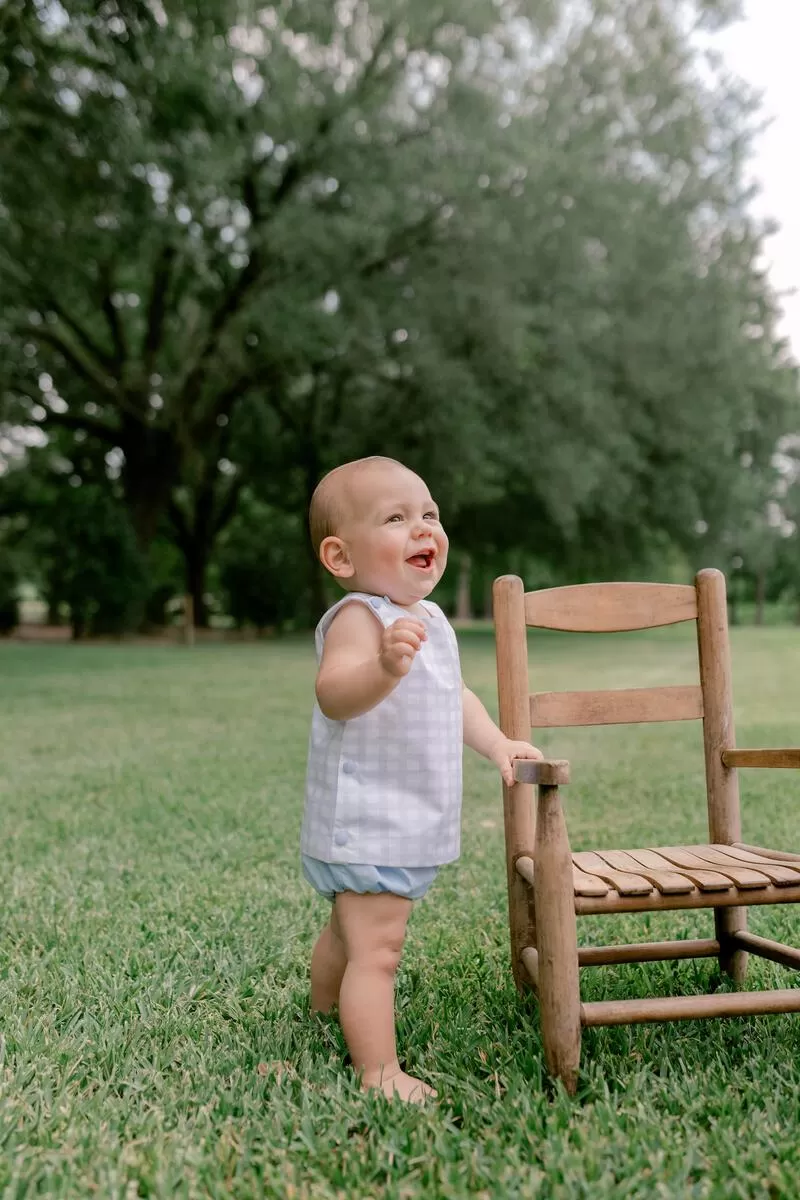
(373, 929)
(328, 962)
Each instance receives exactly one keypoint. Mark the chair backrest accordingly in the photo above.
(618, 607)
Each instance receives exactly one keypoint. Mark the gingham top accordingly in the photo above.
(385, 788)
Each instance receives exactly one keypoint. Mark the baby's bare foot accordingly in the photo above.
(404, 1087)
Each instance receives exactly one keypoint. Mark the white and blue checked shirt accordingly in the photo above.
(385, 788)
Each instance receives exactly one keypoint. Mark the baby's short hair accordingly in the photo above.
(328, 506)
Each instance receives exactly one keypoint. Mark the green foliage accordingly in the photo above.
(101, 572)
(509, 244)
(72, 538)
(263, 567)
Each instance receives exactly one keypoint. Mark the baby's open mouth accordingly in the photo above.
(423, 560)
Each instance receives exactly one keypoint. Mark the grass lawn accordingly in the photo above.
(154, 1033)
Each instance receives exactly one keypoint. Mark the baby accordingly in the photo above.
(383, 794)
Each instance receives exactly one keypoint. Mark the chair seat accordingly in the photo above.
(682, 877)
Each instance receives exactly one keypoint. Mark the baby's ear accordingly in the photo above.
(334, 556)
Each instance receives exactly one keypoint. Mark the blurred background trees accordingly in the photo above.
(507, 242)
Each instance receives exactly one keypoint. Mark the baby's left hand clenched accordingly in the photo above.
(505, 750)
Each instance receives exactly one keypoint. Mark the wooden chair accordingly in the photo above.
(549, 886)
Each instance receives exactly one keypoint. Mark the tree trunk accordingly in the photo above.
(197, 554)
(761, 591)
(733, 601)
(197, 525)
(53, 601)
(463, 592)
(488, 597)
(78, 623)
(152, 468)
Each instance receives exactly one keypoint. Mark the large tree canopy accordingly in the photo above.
(509, 242)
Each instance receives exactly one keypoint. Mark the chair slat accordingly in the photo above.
(743, 876)
(775, 858)
(670, 883)
(587, 885)
(705, 880)
(625, 883)
(778, 873)
(610, 607)
(624, 706)
(582, 884)
(780, 855)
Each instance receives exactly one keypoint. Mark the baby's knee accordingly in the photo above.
(381, 957)
(374, 928)
(378, 947)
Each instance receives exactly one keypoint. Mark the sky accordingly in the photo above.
(763, 50)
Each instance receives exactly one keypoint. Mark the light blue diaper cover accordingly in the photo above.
(330, 878)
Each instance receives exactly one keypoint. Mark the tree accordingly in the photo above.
(68, 533)
(509, 245)
(144, 281)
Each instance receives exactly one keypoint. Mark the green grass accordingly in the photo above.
(155, 1036)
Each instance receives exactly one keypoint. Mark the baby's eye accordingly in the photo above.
(431, 516)
(394, 517)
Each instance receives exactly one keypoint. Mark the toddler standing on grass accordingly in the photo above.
(383, 792)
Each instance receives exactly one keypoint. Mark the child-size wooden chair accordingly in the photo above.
(548, 885)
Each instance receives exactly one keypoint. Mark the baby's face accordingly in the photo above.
(394, 538)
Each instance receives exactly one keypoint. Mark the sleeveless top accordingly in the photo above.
(384, 788)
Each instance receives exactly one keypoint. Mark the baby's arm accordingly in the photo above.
(362, 662)
(481, 734)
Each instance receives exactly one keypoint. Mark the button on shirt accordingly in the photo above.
(384, 788)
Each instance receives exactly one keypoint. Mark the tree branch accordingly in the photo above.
(180, 524)
(112, 316)
(412, 234)
(70, 355)
(227, 509)
(296, 170)
(222, 315)
(157, 308)
(106, 361)
(371, 65)
(224, 402)
(299, 166)
(291, 422)
(90, 425)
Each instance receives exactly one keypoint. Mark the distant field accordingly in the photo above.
(155, 1039)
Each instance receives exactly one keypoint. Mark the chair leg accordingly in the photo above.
(732, 961)
(522, 927)
(557, 942)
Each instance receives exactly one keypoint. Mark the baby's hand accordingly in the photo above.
(399, 645)
(505, 750)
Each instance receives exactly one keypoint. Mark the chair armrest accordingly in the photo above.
(761, 758)
(548, 771)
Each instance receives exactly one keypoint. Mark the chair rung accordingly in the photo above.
(689, 1008)
(633, 952)
(530, 961)
(787, 956)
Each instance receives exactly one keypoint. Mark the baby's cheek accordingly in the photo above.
(386, 553)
